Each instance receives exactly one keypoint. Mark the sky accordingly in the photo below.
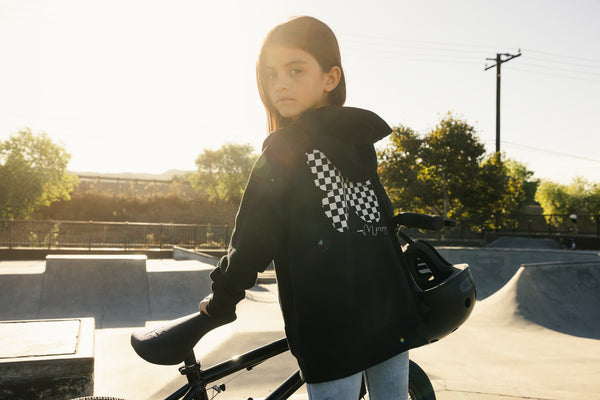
(146, 86)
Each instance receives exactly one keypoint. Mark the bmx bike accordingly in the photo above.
(173, 342)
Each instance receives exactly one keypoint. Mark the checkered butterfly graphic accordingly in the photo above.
(340, 194)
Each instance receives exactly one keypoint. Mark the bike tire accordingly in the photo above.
(419, 385)
(98, 398)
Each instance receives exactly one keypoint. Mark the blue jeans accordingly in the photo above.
(385, 381)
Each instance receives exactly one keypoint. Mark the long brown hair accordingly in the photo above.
(316, 38)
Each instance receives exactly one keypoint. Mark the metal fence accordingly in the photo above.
(129, 236)
(555, 226)
(552, 225)
(119, 235)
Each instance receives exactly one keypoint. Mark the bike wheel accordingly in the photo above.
(98, 398)
(419, 385)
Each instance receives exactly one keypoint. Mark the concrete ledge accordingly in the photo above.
(47, 359)
(115, 285)
(95, 260)
(180, 253)
(28, 254)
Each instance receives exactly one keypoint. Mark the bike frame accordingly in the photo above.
(198, 379)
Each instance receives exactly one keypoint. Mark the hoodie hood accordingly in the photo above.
(344, 134)
(350, 125)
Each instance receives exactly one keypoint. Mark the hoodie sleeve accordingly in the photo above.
(255, 239)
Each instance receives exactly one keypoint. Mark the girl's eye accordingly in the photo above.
(270, 75)
(295, 71)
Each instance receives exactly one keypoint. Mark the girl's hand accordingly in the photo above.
(204, 303)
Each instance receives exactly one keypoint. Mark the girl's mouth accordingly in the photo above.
(283, 100)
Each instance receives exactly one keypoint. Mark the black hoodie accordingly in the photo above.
(315, 206)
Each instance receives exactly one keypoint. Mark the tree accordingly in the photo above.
(593, 200)
(579, 197)
(32, 174)
(446, 172)
(562, 199)
(223, 173)
(399, 168)
(451, 155)
(519, 170)
(431, 174)
(496, 195)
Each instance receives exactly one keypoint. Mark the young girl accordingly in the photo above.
(315, 206)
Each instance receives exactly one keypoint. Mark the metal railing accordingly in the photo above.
(135, 235)
(555, 227)
(119, 235)
(552, 225)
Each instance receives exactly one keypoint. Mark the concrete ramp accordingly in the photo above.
(492, 268)
(564, 297)
(533, 333)
(115, 290)
(524, 243)
(99, 286)
(535, 338)
(176, 287)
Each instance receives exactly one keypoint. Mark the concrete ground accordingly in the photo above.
(534, 333)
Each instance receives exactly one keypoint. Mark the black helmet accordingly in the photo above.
(446, 292)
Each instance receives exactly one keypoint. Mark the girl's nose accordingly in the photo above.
(281, 84)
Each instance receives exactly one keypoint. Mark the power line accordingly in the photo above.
(394, 47)
(408, 57)
(388, 39)
(573, 64)
(437, 58)
(433, 51)
(537, 72)
(563, 69)
(403, 47)
(552, 152)
(592, 60)
(556, 68)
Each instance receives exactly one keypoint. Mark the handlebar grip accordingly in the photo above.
(422, 221)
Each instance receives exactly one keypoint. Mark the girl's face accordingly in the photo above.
(295, 81)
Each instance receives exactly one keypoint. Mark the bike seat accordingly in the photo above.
(172, 342)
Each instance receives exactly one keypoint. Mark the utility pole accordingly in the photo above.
(499, 61)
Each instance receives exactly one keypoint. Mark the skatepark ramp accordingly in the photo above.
(561, 296)
(528, 328)
(536, 317)
(125, 290)
(492, 268)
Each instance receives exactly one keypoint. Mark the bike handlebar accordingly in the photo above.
(422, 221)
